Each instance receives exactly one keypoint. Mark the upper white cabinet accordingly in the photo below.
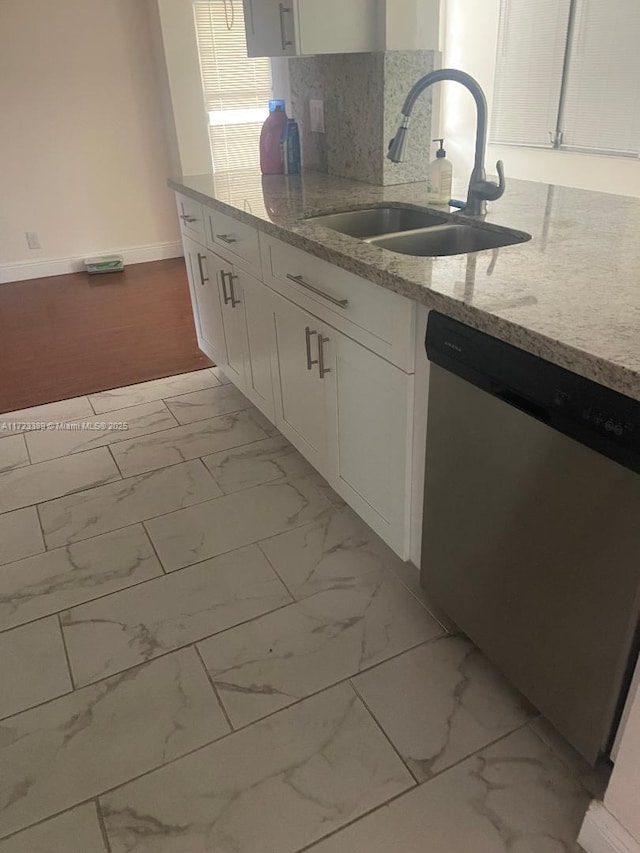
(303, 27)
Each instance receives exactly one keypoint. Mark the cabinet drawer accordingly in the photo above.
(381, 320)
(191, 217)
(240, 241)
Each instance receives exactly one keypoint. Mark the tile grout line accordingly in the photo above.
(101, 824)
(383, 731)
(66, 654)
(275, 571)
(213, 687)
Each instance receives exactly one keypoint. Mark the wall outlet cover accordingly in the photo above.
(32, 240)
(316, 110)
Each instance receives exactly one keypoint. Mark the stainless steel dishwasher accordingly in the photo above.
(531, 537)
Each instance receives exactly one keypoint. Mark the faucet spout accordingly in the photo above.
(479, 188)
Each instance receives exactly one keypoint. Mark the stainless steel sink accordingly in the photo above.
(375, 221)
(451, 238)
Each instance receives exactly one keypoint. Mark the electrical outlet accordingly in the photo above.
(316, 110)
(32, 240)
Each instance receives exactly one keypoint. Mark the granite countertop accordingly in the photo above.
(570, 295)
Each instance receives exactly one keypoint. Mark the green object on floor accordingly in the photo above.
(107, 263)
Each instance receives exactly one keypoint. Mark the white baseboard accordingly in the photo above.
(62, 266)
(602, 833)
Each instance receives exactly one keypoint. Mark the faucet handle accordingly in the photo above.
(489, 190)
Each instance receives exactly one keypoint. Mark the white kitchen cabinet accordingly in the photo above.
(205, 300)
(301, 406)
(304, 27)
(370, 432)
(260, 343)
(230, 299)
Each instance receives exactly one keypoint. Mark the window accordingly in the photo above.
(236, 89)
(567, 75)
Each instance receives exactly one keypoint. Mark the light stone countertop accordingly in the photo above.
(570, 295)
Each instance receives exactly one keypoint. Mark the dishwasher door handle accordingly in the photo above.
(512, 398)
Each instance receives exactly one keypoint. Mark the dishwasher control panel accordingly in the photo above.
(603, 419)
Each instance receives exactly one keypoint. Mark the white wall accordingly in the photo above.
(83, 151)
(471, 34)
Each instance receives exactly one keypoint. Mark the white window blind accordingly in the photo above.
(236, 89)
(531, 45)
(602, 101)
(568, 75)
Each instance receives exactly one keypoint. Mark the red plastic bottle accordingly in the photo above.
(271, 159)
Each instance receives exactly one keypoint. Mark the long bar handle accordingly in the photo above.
(186, 218)
(203, 277)
(226, 238)
(322, 370)
(341, 303)
(283, 36)
(225, 295)
(307, 333)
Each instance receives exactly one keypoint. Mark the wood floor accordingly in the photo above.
(76, 334)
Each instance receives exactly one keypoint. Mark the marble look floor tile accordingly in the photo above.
(106, 508)
(156, 389)
(13, 453)
(255, 464)
(270, 429)
(410, 577)
(138, 624)
(58, 579)
(94, 739)
(454, 703)
(20, 535)
(271, 662)
(220, 376)
(33, 666)
(75, 831)
(209, 403)
(47, 480)
(185, 442)
(595, 780)
(141, 420)
(64, 410)
(276, 786)
(335, 551)
(514, 796)
(212, 528)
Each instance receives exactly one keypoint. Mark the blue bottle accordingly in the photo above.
(291, 148)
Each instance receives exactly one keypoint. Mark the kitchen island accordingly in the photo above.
(325, 332)
(570, 295)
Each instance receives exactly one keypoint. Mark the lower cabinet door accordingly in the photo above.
(233, 319)
(301, 407)
(208, 313)
(258, 312)
(370, 424)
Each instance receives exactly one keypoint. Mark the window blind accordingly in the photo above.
(601, 108)
(236, 89)
(531, 47)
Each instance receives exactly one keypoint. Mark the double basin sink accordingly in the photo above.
(418, 231)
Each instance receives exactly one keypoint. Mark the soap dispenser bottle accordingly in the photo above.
(440, 177)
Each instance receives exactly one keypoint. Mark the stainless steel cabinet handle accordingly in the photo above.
(310, 361)
(225, 295)
(203, 277)
(283, 35)
(231, 296)
(226, 238)
(186, 218)
(322, 370)
(234, 301)
(341, 303)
